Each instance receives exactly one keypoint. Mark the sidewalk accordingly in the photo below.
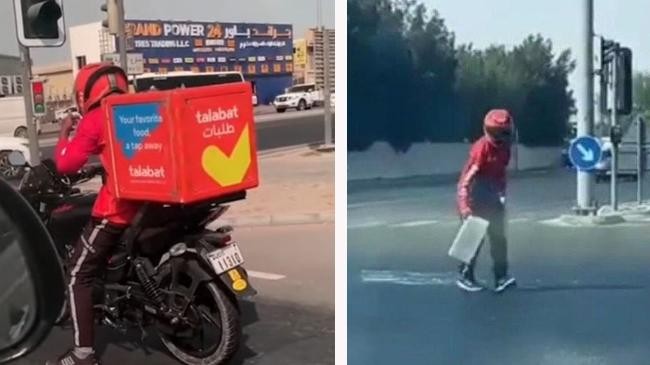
(296, 187)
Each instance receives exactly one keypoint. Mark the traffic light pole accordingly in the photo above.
(121, 37)
(32, 129)
(641, 158)
(613, 138)
(585, 126)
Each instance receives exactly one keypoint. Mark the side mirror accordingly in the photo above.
(17, 159)
(32, 283)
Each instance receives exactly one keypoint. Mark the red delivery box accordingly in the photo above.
(181, 146)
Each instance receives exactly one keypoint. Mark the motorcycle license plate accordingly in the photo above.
(226, 258)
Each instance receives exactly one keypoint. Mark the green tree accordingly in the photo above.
(641, 92)
(409, 83)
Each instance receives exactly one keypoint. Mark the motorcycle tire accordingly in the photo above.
(230, 332)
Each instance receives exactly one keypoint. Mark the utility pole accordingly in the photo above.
(585, 126)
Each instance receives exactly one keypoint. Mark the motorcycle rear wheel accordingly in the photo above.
(217, 308)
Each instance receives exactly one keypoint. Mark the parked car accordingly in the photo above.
(13, 120)
(8, 145)
(299, 97)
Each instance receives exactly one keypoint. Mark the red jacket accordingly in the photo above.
(483, 179)
(71, 155)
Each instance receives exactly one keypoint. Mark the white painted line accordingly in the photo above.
(414, 224)
(518, 220)
(265, 275)
(366, 225)
(408, 277)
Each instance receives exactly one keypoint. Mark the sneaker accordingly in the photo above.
(468, 284)
(69, 358)
(503, 283)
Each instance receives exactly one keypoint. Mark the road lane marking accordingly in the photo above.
(414, 223)
(265, 275)
(367, 225)
(408, 277)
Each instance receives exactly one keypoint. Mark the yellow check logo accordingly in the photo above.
(228, 171)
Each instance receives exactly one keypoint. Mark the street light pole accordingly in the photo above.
(585, 180)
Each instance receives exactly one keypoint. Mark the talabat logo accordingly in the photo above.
(228, 170)
(147, 172)
(226, 157)
(217, 115)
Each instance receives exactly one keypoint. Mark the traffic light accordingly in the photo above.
(112, 21)
(5, 85)
(39, 23)
(624, 81)
(38, 96)
(18, 85)
(607, 49)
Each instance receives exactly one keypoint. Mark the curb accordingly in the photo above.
(431, 180)
(587, 221)
(274, 152)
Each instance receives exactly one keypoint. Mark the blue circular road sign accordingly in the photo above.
(585, 152)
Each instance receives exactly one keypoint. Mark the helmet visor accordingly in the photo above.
(499, 134)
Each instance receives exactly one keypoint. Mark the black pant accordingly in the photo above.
(496, 235)
(88, 259)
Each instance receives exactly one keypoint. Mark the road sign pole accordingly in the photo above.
(614, 125)
(585, 180)
(32, 129)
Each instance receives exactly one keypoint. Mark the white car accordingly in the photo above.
(627, 161)
(299, 97)
(13, 119)
(8, 145)
(62, 113)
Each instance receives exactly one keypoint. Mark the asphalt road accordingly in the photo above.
(273, 131)
(582, 298)
(291, 321)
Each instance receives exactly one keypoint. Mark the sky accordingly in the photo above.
(508, 22)
(301, 13)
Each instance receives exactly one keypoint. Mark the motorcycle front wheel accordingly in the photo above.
(216, 335)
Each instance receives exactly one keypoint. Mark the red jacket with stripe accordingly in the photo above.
(483, 179)
(71, 155)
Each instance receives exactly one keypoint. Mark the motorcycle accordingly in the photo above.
(170, 271)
